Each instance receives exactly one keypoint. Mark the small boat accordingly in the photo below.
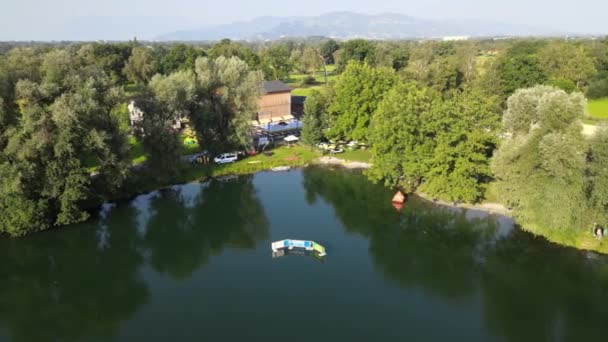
(281, 168)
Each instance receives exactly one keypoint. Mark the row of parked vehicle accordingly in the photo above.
(223, 158)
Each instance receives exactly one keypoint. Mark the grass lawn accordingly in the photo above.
(356, 155)
(281, 156)
(598, 108)
(304, 91)
(295, 81)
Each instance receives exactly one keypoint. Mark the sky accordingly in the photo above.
(110, 19)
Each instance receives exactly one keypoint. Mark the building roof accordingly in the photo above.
(275, 87)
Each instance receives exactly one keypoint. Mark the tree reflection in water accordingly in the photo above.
(71, 284)
(531, 290)
(80, 283)
(186, 229)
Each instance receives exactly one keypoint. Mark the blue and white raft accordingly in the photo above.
(289, 244)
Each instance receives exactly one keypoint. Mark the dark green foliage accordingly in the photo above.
(179, 57)
(564, 84)
(64, 119)
(442, 146)
(519, 71)
(315, 109)
(359, 90)
(359, 50)
(328, 49)
(276, 63)
(228, 49)
(308, 80)
(598, 88)
(141, 66)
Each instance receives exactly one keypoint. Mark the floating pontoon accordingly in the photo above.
(298, 244)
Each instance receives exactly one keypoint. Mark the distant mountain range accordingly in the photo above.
(347, 25)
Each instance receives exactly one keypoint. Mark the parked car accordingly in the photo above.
(225, 158)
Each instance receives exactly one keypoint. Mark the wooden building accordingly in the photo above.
(275, 103)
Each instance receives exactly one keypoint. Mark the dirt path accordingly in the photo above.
(344, 163)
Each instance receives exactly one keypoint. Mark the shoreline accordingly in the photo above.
(578, 240)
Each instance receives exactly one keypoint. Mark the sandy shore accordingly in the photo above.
(341, 162)
(493, 208)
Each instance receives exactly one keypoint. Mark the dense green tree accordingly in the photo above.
(391, 55)
(311, 60)
(358, 92)
(540, 166)
(227, 102)
(359, 50)
(313, 121)
(65, 123)
(519, 71)
(141, 66)
(108, 57)
(228, 48)
(328, 49)
(276, 63)
(179, 57)
(597, 181)
(170, 99)
(598, 88)
(444, 147)
(561, 60)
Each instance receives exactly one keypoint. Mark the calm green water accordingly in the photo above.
(194, 264)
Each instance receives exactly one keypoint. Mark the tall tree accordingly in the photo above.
(141, 66)
(442, 146)
(359, 50)
(328, 49)
(311, 60)
(315, 109)
(562, 60)
(358, 92)
(179, 57)
(228, 94)
(276, 63)
(65, 122)
(540, 166)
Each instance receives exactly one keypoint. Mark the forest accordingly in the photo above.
(502, 120)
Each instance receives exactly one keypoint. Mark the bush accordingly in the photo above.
(309, 80)
(598, 89)
(564, 84)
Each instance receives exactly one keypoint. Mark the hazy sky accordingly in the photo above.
(67, 19)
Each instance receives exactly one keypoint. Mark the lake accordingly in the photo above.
(193, 263)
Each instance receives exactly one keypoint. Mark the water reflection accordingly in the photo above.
(186, 228)
(80, 283)
(530, 290)
(91, 282)
(65, 285)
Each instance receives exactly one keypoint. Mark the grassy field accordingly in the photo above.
(356, 155)
(295, 81)
(282, 156)
(598, 109)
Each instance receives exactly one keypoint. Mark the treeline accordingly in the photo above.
(432, 112)
(514, 122)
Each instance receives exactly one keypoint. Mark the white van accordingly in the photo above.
(225, 158)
